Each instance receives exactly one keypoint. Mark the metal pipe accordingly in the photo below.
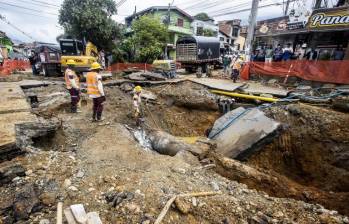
(245, 96)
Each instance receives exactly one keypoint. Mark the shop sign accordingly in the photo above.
(338, 18)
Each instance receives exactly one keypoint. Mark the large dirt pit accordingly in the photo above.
(309, 159)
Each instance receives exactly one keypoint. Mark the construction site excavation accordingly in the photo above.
(206, 150)
(174, 112)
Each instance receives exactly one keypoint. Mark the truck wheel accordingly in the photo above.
(199, 72)
(204, 68)
(209, 71)
(189, 69)
(45, 70)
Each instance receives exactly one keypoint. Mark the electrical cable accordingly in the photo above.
(46, 3)
(27, 13)
(244, 10)
(120, 3)
(22, 7)
(15, 27)
(229, 9)
(38, 4)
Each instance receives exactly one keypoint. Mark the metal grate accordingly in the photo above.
(186, 52)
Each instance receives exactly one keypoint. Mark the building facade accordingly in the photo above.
(177, 21)
(325, 30)
(229, 34)
(6, 45)
(201, 28)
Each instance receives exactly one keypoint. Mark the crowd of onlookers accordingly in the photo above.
(301, 52)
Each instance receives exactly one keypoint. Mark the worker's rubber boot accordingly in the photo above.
(94, 117)
(99, 117)
(73, 110)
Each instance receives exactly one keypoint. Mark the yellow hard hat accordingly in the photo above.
(95, 65)
(71, 62)
(138, 89)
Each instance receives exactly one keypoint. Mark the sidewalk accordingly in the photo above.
(14, 109)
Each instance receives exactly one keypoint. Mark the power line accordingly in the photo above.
(27, 13)
(229, 9)
(244, 10)
(38, 4)
(46, 3)
(120, 3)
(13, 26)
(208, 5)
(22, 7)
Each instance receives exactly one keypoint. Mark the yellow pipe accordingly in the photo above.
(246, 96)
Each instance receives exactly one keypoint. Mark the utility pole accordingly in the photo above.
(286, 8)
(317, 4)
(250, 31)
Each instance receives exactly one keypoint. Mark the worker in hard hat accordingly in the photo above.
(236, 68)
(137, 101)
(95, 90)
(73, 85)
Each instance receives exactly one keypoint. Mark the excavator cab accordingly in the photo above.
(83, 55)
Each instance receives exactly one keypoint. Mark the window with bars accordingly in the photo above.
(180, 22)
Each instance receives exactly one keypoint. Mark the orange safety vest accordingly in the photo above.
(237, 64)
(92, 84)
(67, 80)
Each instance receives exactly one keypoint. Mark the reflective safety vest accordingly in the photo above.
(92, 84)
(69, 72)
(237, 64)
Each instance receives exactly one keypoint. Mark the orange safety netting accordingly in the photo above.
(12, 65)
(321, 71)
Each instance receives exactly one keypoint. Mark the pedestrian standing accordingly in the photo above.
(269, 53)
(72, 84)
(102, 59)
(287, 53)
(338, 54)
(278, 53)
(311, 55)
(95, 91)
(226, 63)
(32, 61)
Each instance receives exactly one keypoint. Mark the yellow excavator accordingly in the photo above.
(83, 55)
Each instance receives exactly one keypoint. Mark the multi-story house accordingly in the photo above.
(203, 28)
(229, 32)
(177, 21)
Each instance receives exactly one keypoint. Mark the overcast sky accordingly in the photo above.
(39, 20)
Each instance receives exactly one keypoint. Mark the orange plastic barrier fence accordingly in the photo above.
(321, 71)
(11, 65)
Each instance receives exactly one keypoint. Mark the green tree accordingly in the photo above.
(208, 33)
(147, 40)
(202, 16)
(90, 19)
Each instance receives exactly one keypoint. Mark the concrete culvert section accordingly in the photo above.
(309, 159)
